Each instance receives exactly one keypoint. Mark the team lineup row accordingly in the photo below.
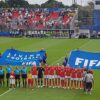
(48, 76)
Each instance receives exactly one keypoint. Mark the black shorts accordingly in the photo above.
(8, 75)
(40, 76)
(17, 76)
(88, 85)
(2, 76)
(24, 76)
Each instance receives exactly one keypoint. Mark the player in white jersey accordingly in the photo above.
(89, 81)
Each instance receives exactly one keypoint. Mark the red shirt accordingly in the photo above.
(57, 69)
(74, 73)
(62, 73)
(34, 71)
(46, 71)
(12, 75)
(52, 70)
(68, 71)
(79, 73)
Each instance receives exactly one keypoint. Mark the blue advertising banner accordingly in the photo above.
(84, 59)
(20, 58)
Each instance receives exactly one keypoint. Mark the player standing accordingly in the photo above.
(62, 77)
(12, 80)
(30, 80)
(8, 71)
(74, 78)
(1, 76)
(89, 80)
(24, 76)
(17, 76)
(34, 76)
(46, 76)
(80, 78)
(51, 77)
(40, 76)
(67, 76)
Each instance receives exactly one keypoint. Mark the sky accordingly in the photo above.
(66, 2)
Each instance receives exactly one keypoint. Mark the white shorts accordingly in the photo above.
(57, 76)
(46, 76)
(80, 79)
(51, 77)
(12, 81)
(34, 76)
(62, 78)
(67, 77)
(74, 79)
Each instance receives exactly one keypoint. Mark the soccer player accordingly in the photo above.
(67, 76)
(24, 76)
(57, 75)
(74, 78)
(46, 75)
(34, 76)
(51, 77)
(89, 80)
(17, 76)
(80, 78)
(1, 76)
(12, 79)
(30, 80)
(8, 71)
(62, 77)
(40, 76)
(84, 80)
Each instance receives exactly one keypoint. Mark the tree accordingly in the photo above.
(3, 4)
(52, 3)
(18, 3)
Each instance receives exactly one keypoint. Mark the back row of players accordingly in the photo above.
(48, 76)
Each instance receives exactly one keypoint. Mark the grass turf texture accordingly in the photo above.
(56, 50)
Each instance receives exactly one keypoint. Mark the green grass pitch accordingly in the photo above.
(56, 50)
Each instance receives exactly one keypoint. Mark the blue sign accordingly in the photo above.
(20, 58)
(84, 59)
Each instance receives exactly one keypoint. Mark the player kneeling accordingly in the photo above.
(30, 80)
(12, 80)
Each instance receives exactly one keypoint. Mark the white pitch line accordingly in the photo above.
(58, 60)
(6, 92)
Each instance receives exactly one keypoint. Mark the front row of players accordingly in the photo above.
(48, 76)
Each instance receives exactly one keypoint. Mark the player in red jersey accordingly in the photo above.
(46, 75)
(80, 78)
(67, 76)
(34, 76)
(74, 78)
(62, 77)
(57, 75)
(12, 79)
(51, 76)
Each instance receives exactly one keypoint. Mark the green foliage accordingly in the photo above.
(3, 4)
(18, 3)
